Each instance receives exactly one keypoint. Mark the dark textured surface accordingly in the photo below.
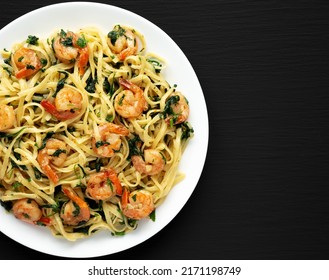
(263, 67)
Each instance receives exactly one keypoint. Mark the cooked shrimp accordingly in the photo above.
(104, 185)
(137, 204)
(69, 47)
(178, 110)
(7, 117)
(130, 103)
(54, 153)
(122, 41)
(27, 210)
(76, 210)
(27, 62)
(152, 164)
(107, 140)
(68, 104)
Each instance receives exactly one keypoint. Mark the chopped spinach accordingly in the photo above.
(117, 32)
(134, 145)
(58, 152)
(168, 111)
(187, 130)
(33, 40)
(91, 82)
(44, 141)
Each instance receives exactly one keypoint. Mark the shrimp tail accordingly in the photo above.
(44, 163)
(69, 192)
(115, 180)
(128, 85)
(51, 174)
(23, 73)
(83, 60)
(51, 109)
(124, 198)
(126, 52)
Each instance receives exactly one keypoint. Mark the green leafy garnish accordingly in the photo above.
(54, 207)
(82, 42)
(156, 64)
(187, 130)
(134, 144)
(58, 152)
(44, 141)
(33, 40)
(117, 32)
(101, 143)
(152, 215)
(90, 87)
(168, 111)
(61, 82)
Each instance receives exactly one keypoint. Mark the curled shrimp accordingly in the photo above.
(69, 47)
(54, 153)
(7, 117)
(67, 105)
(137, 204)
(27, 62)
(27, 210)
(76, 210)
(177, 109)
(130, 103)
(104, 185)
(152, 164)
(107, 139)
(122, 41)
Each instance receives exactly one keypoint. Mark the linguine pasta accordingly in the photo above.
(91, 133)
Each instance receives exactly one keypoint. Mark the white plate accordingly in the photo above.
(75, 15)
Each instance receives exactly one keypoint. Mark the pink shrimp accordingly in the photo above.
(67, 105)
(54, 153)
(137, 204)
(70, 47)
(130, 103)
(104, 185)
(122, 41)
(27, 62)
(76, 210)
(107, 139)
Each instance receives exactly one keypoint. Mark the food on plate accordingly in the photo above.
(91, 133)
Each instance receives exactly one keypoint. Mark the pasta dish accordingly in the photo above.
(91, 133)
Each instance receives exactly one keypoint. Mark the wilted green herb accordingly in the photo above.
(6, 204)
(82, 42)
(187, 130)
(54, 207)
(90, 87)
(101, 143)
(37, 173)
(76, 211)
(156, 64)
(44, 141)
(58, 152)
(60, 83)
(134, 146)
(11, 136)
(117, 32)
(16, 185)
(152, 215)
(33, 40)
(168, 111)
(109, 118)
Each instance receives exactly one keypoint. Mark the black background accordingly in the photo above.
(263, 67)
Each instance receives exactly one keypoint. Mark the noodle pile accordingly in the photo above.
(28, 152)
